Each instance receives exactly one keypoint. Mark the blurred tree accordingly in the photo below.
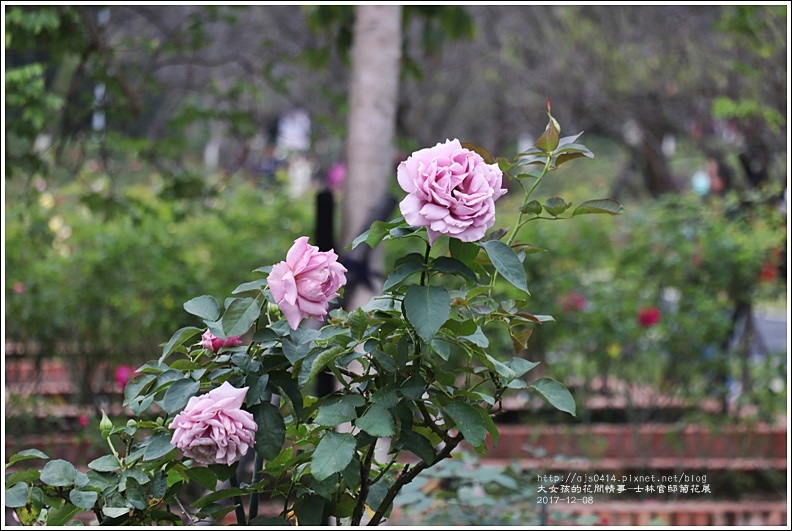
(373, 96)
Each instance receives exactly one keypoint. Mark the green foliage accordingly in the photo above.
(465, 492)
(84, 270)
(439, 24)
(692, 261)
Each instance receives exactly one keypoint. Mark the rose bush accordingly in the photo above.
(414, 370)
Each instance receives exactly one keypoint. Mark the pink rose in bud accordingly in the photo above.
(213, 428)
(83, 420)
(212, 342)
(306, 282)
(649, 316)
(122, 375)
(451, 191)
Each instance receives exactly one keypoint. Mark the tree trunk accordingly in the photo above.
(373, 94)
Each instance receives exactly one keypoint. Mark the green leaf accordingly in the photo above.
(17, 496)
(159, 484)
(549, 139)
(61, 517)
(203, 476)
(465, 252)
(295, 352)
(22, 476)
(205, 307)
(271, 431)
(84, 499)
(224, 472)
(413, 387)
(555, 393)
(461, 328)
(358, 322)
(290, 390)
(377, 422)
(158, 445)
(442, 348)
(506, 263)
(252, 286)
(378, 231)
(29, 513)
(482, 152)
(58, 473)
(309, 513)
(177, 339)
(386, 396)
(427, 308)
(115, 512)
(531, 207)
(31, 453)
(452, 266)
(555, 206)
(135, 495)
(179, 393)
(521, 366)
(599, 206)
(492, 429)
(325, 357)
(218, 495)
(469, 422)
(340, 411)
(478, 338)
(333, 453)
(106, 463)
(257, 391)
(400, 273)
(566, 157)
(417, 444)
(240, 316)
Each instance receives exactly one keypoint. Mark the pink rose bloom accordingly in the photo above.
(122, 375)
(213, 429)
(306, 282)
(212, 342)
(451, 191)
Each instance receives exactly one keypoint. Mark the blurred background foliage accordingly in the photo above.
(138, 137)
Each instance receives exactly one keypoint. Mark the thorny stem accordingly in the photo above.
(408, 474)
(365, 482)
(426, 263)
(239, 510)
(429, 421)
(189, 516)
(520, 222)
(258, 464)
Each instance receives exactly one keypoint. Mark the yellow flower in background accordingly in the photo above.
(614, 350)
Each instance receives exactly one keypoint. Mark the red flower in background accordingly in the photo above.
(572, 301)
(123, 374)
(649, 316)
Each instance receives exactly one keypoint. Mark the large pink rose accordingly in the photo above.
(212, 342)
(451, 191)
(305, 283)
(213, 429)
